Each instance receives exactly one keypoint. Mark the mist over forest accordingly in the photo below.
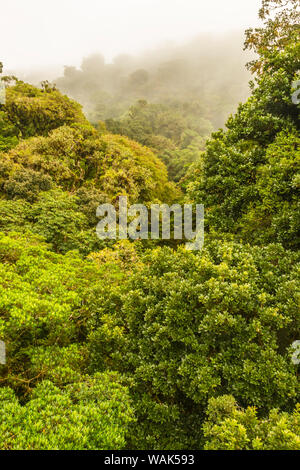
(169, 98)
(131, 329)
(208, 71)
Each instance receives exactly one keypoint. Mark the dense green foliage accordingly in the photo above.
(71, 159)
(117, 345)
(36, 112)
(87, 415)
(249, 175)
(8, 133)
(52, 184)
(189, 326)
(176, 133)
(229, 427)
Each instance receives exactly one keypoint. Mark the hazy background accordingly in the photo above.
(186, 55)
(35, 33)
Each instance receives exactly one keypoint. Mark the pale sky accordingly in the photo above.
(60, 32)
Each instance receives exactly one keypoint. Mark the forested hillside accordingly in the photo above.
(208, 72)
(144, 344)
